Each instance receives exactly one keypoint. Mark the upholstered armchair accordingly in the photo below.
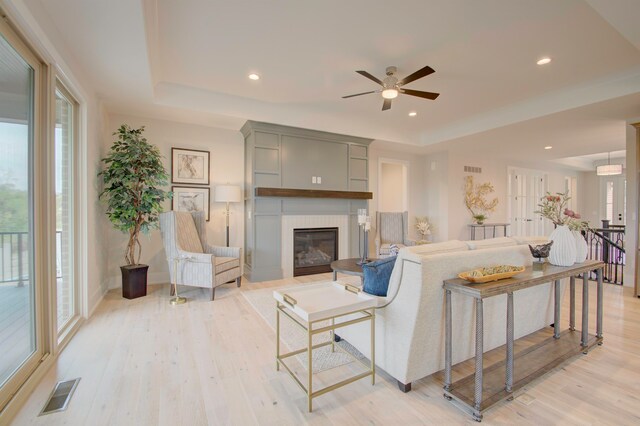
(198, 263)
(391, 228)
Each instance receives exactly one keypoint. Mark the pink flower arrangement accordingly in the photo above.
(572, 214)
(554, 208)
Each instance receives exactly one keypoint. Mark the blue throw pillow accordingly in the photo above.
(377, 275)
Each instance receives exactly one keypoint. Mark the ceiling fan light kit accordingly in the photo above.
(389, 93)
(392, 87)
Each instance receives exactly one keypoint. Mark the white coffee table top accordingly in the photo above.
(325, 300)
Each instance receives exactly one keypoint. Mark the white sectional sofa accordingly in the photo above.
(410, 320)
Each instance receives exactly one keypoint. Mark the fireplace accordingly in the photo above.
(313, 250)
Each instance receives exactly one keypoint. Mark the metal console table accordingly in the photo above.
(486, 387)
(484, 226)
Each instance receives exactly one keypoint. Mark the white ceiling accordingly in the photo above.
(191, 58)
(591, 161)
(587, 130)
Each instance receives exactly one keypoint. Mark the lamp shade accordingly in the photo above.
(228, 194)
(609, 170)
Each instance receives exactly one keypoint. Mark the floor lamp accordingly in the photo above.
(228, 194)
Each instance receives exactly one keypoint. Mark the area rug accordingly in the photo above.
(292, 337)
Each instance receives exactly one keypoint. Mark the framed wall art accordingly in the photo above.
(191, 199)
(189, 166)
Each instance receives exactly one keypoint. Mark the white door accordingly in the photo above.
(526, 188)
(392, 185)
(613, 200)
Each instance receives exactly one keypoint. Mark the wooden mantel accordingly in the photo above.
(312, 193)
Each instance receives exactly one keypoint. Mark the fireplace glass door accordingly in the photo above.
(314, 250)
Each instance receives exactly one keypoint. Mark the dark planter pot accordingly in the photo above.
(134, 281)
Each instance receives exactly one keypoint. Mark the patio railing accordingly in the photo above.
(14, 257)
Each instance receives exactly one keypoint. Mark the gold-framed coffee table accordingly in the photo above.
(324, 303)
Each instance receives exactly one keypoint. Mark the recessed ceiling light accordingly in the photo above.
(543, 61)
(548, 147)
(254, 76)
(413, 114)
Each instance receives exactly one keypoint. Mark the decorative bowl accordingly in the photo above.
(469, 275)
(541, 250)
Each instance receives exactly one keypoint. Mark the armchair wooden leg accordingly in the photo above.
(404, 387)
(172, 290)
(213, 293)
(238, 281)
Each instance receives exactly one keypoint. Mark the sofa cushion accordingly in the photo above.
(226, 263)
(377, 275)
(188, 238)
(533, 240)
(491, 243)
(435, 248)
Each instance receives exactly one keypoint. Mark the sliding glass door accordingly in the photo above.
(20, 332)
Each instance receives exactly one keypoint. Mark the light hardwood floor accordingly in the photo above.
(143, 362)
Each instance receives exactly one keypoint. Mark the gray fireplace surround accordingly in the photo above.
(298, 159)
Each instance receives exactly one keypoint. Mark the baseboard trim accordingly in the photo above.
(20, 398)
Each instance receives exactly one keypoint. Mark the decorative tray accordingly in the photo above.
(494, 273)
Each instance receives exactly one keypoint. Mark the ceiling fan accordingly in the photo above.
(391, 86)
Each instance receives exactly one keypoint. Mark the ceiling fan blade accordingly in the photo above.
(370, 77)
(386, 104)
(358, 94)
(423, 72)
(420, 93)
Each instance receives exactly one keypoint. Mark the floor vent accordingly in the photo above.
(59, 398)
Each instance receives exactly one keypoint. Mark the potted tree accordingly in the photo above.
(133, 175)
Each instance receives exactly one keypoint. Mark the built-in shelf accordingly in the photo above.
(312, 193)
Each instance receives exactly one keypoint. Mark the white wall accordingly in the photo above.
(589, 194)
(436, 194)
(493, 171)
(226, 149)
(391, 187)
(444, 186)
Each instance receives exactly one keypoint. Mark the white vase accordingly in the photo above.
(581, 247)
(563, 250)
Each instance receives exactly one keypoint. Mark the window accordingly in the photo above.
(64, 236)
(609, 202)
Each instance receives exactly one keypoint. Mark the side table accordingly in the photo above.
(315, 308)
(347, 266)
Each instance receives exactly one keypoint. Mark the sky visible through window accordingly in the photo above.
(14, 151)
